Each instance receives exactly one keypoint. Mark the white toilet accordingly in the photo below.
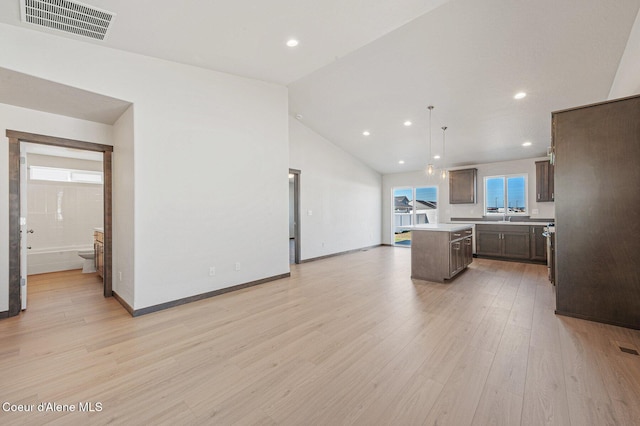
(89, 261)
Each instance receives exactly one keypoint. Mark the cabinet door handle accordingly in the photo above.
(538, 196)
(552, 197)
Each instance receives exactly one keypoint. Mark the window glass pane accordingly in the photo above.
(426, 204)
(86, 177)
(48, 173)
(402, 215)
(54, 174)
(516, 191)
(495, 195)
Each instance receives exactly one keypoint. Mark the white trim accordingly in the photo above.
(506, 194)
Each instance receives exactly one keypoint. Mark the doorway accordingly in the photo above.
(17, 275)
(294, 216)
(412, 206)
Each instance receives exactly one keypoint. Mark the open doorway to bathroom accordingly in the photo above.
(54, 206)
(294, 216)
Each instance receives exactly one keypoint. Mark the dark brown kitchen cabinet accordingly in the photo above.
(538, 244)
(544, 181)
(597, 179)
(462, 186)
(438, 255)
(507, 241)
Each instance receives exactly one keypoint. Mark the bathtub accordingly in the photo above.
(53, 259)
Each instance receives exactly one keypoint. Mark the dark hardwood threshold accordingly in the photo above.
(174, 303)
(313, 259)
(600, 320)
(4, 314)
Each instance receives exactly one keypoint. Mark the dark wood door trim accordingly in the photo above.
(55, 141)
(15, 137)
(14, 227)
(296, 212)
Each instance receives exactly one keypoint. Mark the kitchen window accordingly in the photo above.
(505, 195)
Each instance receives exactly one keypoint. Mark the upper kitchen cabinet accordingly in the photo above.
(544, 181)
(597, 180)
(462, 186)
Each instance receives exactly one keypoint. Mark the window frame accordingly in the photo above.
(413, 209)
(506, 194)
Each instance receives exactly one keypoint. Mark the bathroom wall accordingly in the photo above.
(62, 216)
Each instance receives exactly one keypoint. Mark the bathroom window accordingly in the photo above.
(54, 174)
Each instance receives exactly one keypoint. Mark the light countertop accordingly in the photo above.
(99, 230)
(499, 222)
(446, 227)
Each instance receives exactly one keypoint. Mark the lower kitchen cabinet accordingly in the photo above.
(538, 244)
(506, 241)
(437, 255)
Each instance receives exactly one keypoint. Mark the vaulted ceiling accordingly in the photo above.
(374, 65)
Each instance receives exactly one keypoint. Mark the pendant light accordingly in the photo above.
(443, 174)
(430, 168)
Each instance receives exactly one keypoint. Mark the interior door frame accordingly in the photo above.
(15, 138)
(296, 213)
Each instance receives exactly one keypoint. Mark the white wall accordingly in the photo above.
(339, 196)
(21, 119)
(63, 216)
(445, 210)
(627, 80)
(210, 165)
(123, 231)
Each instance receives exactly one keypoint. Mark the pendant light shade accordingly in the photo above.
(430, 169)
(443, 174)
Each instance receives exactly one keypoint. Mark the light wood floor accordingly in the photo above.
(345, 340)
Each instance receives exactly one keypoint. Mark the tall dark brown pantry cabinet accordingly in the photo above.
(597, 204)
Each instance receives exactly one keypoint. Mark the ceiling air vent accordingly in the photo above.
(68, 16)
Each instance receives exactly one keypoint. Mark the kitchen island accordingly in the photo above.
(440, 251)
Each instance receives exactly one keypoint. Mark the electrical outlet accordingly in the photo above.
(120, 275)
(212, 271)
(535, 211)
(237, 266)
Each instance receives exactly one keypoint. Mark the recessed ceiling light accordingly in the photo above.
(526, 144)
(401, 162)
(366, 133)
(299, 117)
(520, 95)
(292, 42)
(437, 157)
(408, 123)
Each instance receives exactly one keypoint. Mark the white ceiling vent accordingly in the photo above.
(68, 16)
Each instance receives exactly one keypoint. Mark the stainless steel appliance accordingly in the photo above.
(550, 233)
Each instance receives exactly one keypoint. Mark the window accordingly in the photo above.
(412, 206)
(509, 191)
(53, 174)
